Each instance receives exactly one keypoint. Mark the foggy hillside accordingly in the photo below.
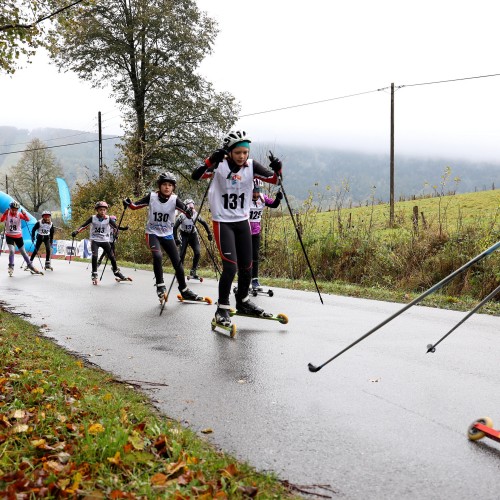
(305, 169)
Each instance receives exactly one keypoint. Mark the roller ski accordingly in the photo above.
(119, 277)
(257, 289)
(94, 278)
(48, 267)
(10, 270)
(248, 308)
(33, 270)
(193, 276)
(483, 427)
(190, 297)
(222, 320)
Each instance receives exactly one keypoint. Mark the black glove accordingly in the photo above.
(279, 195)
(177, 241)
(126, 202)
(216, 157)
(275, 164)
(210, 237)
(74, 233)
(189, 213)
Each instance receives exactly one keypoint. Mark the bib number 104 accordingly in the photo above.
(233, 201)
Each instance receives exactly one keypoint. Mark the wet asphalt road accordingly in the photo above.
(384, 420)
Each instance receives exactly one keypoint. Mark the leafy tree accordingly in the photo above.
(149, 51)
(21, 31)
(33, 178)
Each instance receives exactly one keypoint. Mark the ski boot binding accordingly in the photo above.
(161, 291)
(119, 277)
(248, 308)
(34, 270)
(94, 278)
(189, 296)
(193, 276)
(48, 266)
(222, 319)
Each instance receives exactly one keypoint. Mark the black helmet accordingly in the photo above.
(101, 204)
(14, 205)
(166, 177)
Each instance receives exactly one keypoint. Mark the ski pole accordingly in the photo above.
(3, 237)
(183, 253)
(114, 239)
(432, 347)
(271, 157)
(212, 258)
(432, 289)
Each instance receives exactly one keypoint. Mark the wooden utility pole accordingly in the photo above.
(391, 182)
(6, 184)
(100, 143)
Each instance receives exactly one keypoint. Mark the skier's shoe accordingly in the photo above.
(222, 317)
(188, 295)
(194, 276)
(48, 266)
(256, 287)
(94, 278)
(120, 277)
(27, 268)
(34, 270)
(161, 291)
(10, 269)
(248, 308)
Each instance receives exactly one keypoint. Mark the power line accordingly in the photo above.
(60, 145)
(447, 81)
(46, 140)
(311, 103)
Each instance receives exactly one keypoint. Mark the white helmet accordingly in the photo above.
(234, 138)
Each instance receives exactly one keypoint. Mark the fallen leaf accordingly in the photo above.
(158, 479)
(208, 430)
(96, 429)
(230, 471)
(116, 459)
(19, 428)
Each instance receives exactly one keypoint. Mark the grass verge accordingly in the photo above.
(70, 430)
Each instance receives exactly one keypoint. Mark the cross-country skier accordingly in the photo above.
(45, 235)
(14, 235)
(162, 205)
(113, 238)
(229, 196)
(100, 230)
(189, 235)
(259, 202)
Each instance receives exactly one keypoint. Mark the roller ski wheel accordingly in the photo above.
(282, 318)
(482, 427)
(199, 300)
(232, 329)
(194, 278)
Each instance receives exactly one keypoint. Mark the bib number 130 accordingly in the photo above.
(233, 201)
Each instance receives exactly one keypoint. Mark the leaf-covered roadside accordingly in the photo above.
(69, 431)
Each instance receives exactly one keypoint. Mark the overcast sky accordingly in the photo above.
(273, 54)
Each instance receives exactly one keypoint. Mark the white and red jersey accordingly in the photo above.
(13, 224)
(230, 193)
(161, 216)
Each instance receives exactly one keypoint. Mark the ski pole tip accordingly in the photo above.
(430, 348)
(313, 368)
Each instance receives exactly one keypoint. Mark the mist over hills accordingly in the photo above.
(305, 168)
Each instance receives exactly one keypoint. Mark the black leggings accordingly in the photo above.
(255, 255)
(155, 244)
(193, 241)
(106, 247)
(38, 244)
(234, 242)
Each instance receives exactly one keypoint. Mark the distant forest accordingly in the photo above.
(321, 171)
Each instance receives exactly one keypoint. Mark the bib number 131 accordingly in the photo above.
(233, 201)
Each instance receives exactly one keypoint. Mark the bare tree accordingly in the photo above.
(34, 176)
